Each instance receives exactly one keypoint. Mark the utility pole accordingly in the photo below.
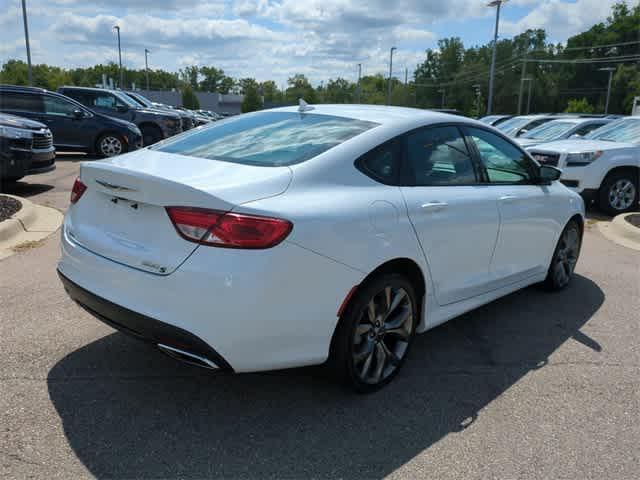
(498, 4)
(26, 40)
(522, 76)
(390, 74)
(146, 65)
(359, 77)
(117, 28)
(442, 91)
(406, 82)
(610, 70)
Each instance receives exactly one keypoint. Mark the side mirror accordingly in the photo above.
(77, 113)
(122, 108)
(549, 174)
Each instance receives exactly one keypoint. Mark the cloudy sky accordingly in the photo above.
(273, 39)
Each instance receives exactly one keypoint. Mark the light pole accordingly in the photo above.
(390, 73)
(146, 65)
(359, 76)
(497, 4)
(26, 40)
(610, 70)
(442, 91)
(117, 28)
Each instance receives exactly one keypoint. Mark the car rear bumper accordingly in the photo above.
(141, 326)
(258, 310)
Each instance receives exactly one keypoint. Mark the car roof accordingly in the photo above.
(383, 115)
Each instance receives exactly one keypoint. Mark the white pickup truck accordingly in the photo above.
(603, 167)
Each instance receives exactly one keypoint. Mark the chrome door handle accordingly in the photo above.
(433, 206)
(508, 198)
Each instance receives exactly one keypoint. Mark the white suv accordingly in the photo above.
(603, 167)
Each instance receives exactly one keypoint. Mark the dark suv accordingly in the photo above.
(26, 148)
(186, 120)
(154, 124)
(74, 127)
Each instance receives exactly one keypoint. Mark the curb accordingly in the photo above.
(31, 223)
(621, 232)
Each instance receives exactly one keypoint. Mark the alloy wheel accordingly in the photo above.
(382, 335)
(566, 256)
(110, 146)
(621, 194)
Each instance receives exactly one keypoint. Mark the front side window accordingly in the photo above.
(503, 162)
(439, 156)
(21, 102)
(267, 138)
(59, 107)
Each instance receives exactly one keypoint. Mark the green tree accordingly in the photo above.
(212, 78)
(299, 87)
(581, 105)
(270, 92)
(252, 100)
(189, 99)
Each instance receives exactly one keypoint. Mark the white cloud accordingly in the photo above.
(561, 19)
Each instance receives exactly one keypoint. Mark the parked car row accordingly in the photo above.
(599, 155)
(96, 121)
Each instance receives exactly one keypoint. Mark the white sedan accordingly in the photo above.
(299, 236)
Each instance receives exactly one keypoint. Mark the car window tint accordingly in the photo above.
(57, 106)
(503, 162)
(267, 138)
(381, 163)
(21, 102)
(439, 156)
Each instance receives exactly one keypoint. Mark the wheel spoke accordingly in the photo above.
(363, 329)
(391, 357)
(365, 352)
(381, 360)
(367, 365)
(400, 332)
(398, 320)
(399, 296)
(371, 311)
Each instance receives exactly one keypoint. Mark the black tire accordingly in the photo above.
(110, 145)
(612, 200)
(393, 348)
(565, 258)
(150, 135)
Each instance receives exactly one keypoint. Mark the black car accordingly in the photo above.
(74, 127)
(26, 148)
(154, 124)
(186, 120)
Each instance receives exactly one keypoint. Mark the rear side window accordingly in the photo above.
(382, 163)
(58, 106)
(267, 138)
(21, 102)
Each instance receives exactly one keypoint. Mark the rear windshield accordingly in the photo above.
(625, 130)
(267, 138)
(550, 131)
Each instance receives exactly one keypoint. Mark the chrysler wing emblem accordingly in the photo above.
(111, 186)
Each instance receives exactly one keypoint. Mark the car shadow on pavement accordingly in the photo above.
(129, 412)
(26, 189)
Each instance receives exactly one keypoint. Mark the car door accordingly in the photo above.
(66, 127)
(527, 227)
(454, 219)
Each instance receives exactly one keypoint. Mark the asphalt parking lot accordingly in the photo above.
(535, 385)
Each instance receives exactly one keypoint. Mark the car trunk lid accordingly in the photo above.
(121, 215)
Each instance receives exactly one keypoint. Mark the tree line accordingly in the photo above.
(531, 74)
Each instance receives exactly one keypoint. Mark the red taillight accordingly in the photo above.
(77, 190)
(227, 229)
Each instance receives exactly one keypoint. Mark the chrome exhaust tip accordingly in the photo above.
(186, 357)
